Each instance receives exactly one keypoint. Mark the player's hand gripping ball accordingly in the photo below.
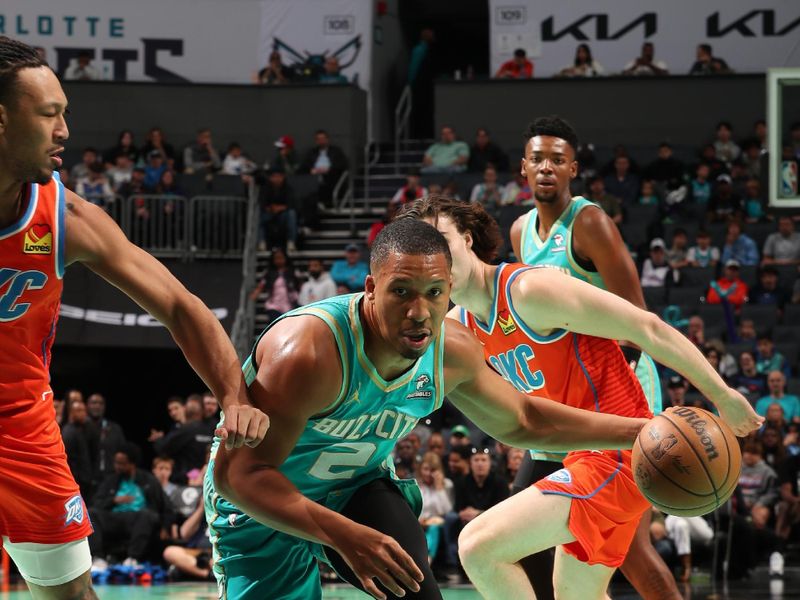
(686, 461)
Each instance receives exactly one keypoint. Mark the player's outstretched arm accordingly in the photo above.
(519, 420)
(94, 239)
(300, 376)
(547, 300)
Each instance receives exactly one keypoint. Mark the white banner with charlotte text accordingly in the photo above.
(749, 36)
(204, 41)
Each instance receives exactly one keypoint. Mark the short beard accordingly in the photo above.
(551, 199)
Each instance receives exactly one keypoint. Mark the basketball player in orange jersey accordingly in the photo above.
(577, 237)
(43, 228)
(538, 327)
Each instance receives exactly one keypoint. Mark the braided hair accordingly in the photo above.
(15, 56)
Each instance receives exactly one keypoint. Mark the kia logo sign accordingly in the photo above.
(340, 24)
(510, 15)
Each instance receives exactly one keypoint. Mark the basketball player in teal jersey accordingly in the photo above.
(575, 236)
(342, 380)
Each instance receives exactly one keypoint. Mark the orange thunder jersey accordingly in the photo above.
(577, 370)
(31, 268)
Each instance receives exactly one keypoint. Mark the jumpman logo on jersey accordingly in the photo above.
(355, 397)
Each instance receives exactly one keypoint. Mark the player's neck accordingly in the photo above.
(550, 212)
(477, 295)
(11, 200)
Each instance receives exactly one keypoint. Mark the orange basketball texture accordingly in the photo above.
(686, 461)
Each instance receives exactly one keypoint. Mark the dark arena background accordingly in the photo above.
(257, 147)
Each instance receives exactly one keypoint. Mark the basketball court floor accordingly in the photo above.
(757, 588)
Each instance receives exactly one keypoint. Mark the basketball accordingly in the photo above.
(686, 461)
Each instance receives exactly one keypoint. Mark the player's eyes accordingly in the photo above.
(435, 292)
(401, 292)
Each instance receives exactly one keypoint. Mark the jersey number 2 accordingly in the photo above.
(356, 455)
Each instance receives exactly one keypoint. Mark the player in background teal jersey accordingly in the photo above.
(578, 238)
(341, 382)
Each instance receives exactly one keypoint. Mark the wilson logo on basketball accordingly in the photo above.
(699, 426)
(38, 240)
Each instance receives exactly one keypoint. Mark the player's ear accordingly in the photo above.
(522, 167)
(3, 117)
(468, 240)
(573, 169)
(369, 288)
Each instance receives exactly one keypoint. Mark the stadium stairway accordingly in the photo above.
(333, 232)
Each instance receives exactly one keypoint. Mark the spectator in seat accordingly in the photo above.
(82, 69)
(331, 72)
(753, 202)
(645, 63)
(767, 291)
(448, 155)
(349, 273)
(622, 183)
(703, 254)
(120, 172)
(275, 73)
(610, 203)
(699, 186)
(193, 557)
(707, 63)
(391, 211)
(678, 255)
(458, 461)
(749, 381)
(89, 157)
(460, 436)
(656, 269)
(187, 445)
(327, 162)
(583, 65)
(176, 410)
(725, 204)
(320, 284)
(484, 152)
(666, 167)
(475, 493)
(285, 156)
(751, 158)
(747, 332)
(210, 409)
(775, 419)
(405, 457)
(79, 441)
(125, 146)
(437, 499)
(727, 366)
(729, 287)
(767, 359)
(708, 157)
(739, 246)
(156, 141)
(109, 435)
(518, 67)
(728, 151)
(412, 190)
(783, 246)
(95, 187)
(129, 506)
(182, 498)
(776, 382)
(236, 163)
(489, 192)
(758, 484)
(436, 444)
(513, 462)
(281, 284)
(155, 167)
(696, 331)
(202, 156)
(647, 194)
(684, 532)
(771, 437)
(676, 391)
(278, 211)
(517, 192)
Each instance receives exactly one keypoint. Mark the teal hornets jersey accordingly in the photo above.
(349, 443)
(556, 250)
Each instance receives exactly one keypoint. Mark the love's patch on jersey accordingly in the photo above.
(38, 240)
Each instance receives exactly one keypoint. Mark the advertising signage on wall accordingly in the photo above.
(195, 40)
(751, 39)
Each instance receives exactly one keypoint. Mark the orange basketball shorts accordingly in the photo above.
(606, 504)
